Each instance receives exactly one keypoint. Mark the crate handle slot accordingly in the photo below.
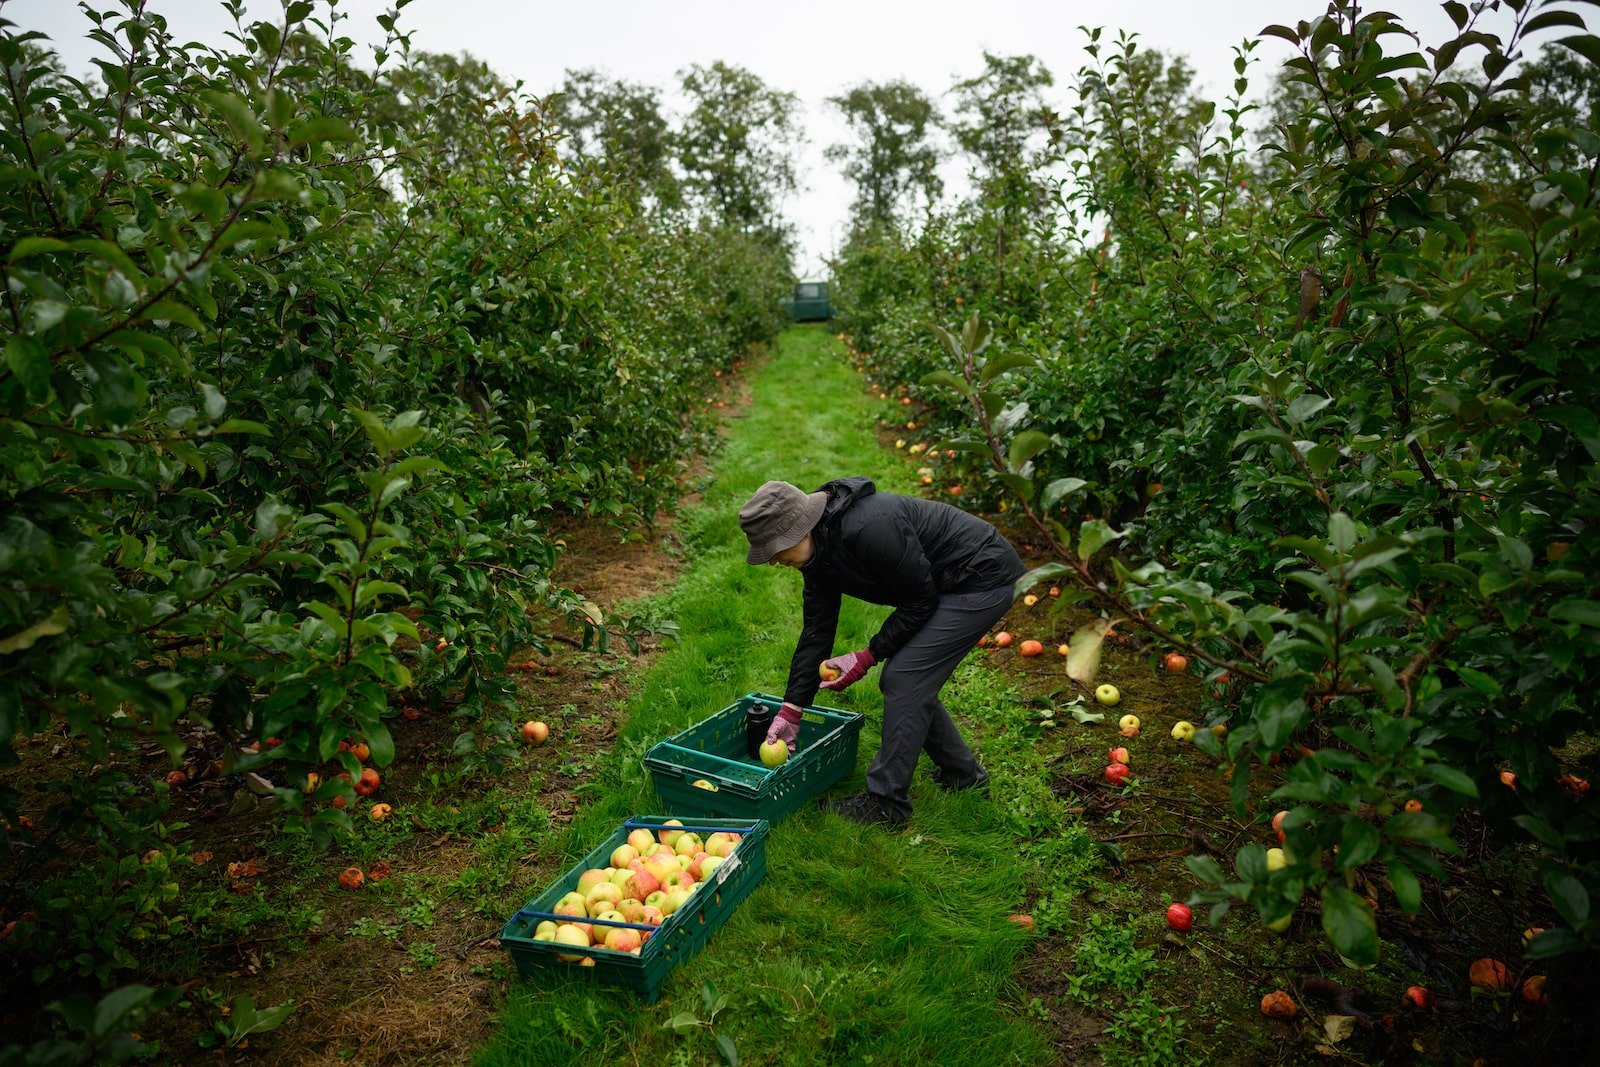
(528, 913)
(708, 755)
(637, 824)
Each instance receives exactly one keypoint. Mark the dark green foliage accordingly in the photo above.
(1325, 419)
(301, 360)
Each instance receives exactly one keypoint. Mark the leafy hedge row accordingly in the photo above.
(1324, 414)
(301, 360)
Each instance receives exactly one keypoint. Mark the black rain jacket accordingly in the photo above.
(900, 551)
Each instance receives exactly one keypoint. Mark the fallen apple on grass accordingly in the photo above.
(1182, 731)
(1489, 975)
(1420, 997)
(535, 732)
(1117, 755)
(1180, 917)
(1107, 694)
(1176, 662)
(1118, 773)
(1030, 648)
(1279, 1005)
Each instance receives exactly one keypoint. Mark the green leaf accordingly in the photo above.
(730, 1054)
(321, 128)
(682, 1023)
(1025, 446)
(33, 246)
(1450, 778)
(242, 426)
(52, 624)
(26, 358)
(1407, 887)
(239, 115)
(1094, 535)
(1569, 897)
(1083, 650)
(172, 311)
(1349, 924)
(381, 743)
(1058, 490)
(950, 381)
(1582, 612)
(1280, 709)
(1587, 46)
(1005, 361)
(1358, 843)
(1549, 943)
(1043, 573)
(1546, 19)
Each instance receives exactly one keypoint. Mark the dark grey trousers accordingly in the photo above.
(914, 719)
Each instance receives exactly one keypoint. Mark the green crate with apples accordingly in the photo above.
(644, 947)
(707, 771)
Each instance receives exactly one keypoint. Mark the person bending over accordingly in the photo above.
(948, 575)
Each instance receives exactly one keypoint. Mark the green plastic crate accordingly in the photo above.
(684, 932)
(713, 751)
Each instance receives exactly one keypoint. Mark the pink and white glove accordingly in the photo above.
(785, 725)
(852, 667)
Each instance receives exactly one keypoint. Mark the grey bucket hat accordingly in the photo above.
(777, 517)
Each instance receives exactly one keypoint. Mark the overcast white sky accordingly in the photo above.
(814, 48)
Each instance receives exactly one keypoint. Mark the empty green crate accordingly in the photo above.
(713, 751)
(679, 937)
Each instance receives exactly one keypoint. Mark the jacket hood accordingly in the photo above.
(843, 494)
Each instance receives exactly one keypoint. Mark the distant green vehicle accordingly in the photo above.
(810, 302)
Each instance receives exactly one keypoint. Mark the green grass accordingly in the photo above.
(861, 946)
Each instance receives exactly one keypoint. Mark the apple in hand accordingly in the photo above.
(1180, 917)
(774, 753)
(828, 673)
(1107, 694)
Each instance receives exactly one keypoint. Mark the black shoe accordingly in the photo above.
(945, 780)
(865, 808)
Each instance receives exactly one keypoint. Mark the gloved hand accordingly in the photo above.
(785, 725)
(852, 667)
